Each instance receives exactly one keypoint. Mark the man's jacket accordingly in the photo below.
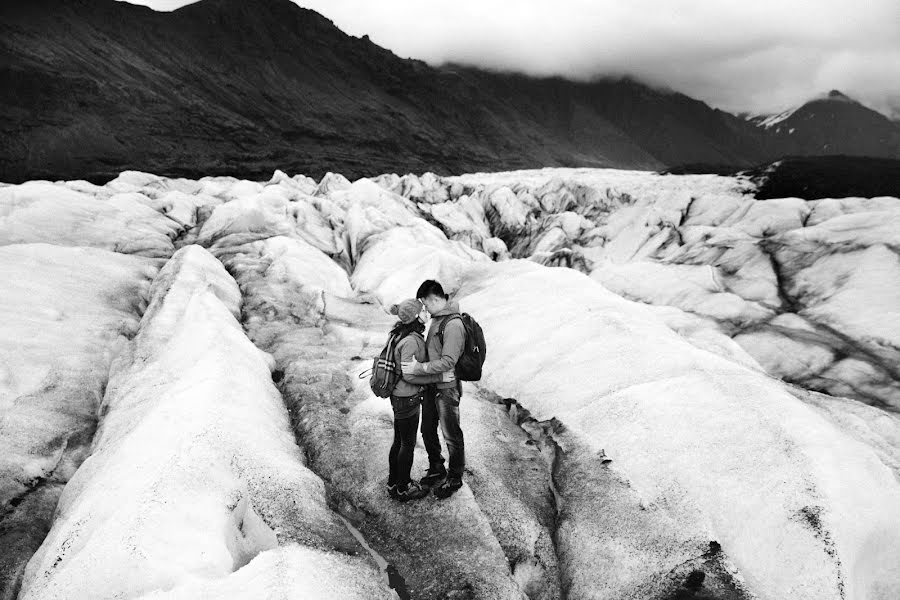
(442, 356)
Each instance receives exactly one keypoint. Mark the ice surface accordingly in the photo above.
(64, 314)
(196, 452)
(467, 548)
(194, 471)
(823, 210)
(287, 572)
(746, 463)
(462, 220)
(694, 288)
(729, 453)
(843, 283)
(40, 212)
(655, 238)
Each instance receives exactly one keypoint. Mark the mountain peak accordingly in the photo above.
(241, 11)
(834, 96)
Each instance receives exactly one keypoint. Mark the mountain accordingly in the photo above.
(833, 124)
(94, 87)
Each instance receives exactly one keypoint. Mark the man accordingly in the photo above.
(441, 402)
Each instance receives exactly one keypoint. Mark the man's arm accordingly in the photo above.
(454, 339)
(407, 353)
(423, 379)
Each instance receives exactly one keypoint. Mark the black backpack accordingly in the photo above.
(385, 372)
(468, 367)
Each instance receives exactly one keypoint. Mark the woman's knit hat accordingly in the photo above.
(407, 310)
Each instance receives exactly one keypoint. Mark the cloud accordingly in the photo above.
(762, 56)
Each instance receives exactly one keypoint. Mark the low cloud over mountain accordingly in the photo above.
(226, 86)
(741, 56)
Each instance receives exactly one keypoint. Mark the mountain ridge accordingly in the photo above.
(95, 87)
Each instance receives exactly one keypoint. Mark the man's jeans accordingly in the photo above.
(442, 406)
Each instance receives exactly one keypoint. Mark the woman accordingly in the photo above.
(406, 400)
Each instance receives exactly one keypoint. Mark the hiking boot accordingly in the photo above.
(392, 491)
(434, 475)
(448, 487)
(410, 491)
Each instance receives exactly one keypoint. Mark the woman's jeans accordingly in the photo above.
(400, 458)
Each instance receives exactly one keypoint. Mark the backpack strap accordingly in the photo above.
(443, 324)
(395, 340)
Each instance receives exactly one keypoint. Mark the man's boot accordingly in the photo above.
(448, 487)
(435, 474)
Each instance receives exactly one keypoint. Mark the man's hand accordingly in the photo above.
(407, 367)
(448, 376)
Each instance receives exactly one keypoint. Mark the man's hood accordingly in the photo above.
(451, 309)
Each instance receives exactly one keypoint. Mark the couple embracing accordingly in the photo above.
(428, 385)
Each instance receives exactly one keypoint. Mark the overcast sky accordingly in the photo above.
(739, 55)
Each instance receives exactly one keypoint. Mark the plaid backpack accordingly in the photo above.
(385, 372)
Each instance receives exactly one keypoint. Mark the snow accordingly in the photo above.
(655, 238)
(64, 314)
(152, 185)
(694, 288)
(717, 209)
(40, 212)
(196, 488)
(422, 248)
(772, 217)
(506, 210)
(673, 404)
(706, 334)
(658, 400)
(495, 249)
(266, 214)
(182, 207)
(870, 278)
(303, 184)
(639, 184)
(772, 120)
(823, 210)
(463, 219)
(856, 230)
(788, 348)
(290, 571)
(332, 182)
(347, 432)
(297, 279)
(194, 471)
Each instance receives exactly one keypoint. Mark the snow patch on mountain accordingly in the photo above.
(770, 121)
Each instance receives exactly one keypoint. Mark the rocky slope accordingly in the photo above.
(92, 87)
(258, 304)
(816, 178)
(833, 124)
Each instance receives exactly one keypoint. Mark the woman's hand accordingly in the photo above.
(448, 376)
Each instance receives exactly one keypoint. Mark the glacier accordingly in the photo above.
(688, 392)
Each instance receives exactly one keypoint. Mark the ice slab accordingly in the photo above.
(194, 471)
(42, 212)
